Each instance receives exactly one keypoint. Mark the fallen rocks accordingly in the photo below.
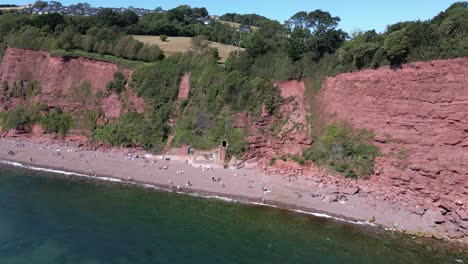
(445, 204)
(419, 210)
(455, 234)
(330, 198)
(462, 213)
(432, 218)
(350, 190)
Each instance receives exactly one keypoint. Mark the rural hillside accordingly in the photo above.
(391, 107)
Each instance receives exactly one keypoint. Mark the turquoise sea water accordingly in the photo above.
(53, 219)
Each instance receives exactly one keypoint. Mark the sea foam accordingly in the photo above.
(150, 186)
(67, 173)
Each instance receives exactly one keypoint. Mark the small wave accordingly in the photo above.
(68, 173)
(230, 200)
(335, 218)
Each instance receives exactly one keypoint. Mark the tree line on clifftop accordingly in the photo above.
(307, 46)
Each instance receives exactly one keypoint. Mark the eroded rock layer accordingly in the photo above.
(420, 117)
(70, 83)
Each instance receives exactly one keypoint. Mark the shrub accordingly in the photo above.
(31, 38)
(299, 160)
(163, 38)
(57, 122)
(264, 92)
(396, 47)
(17, 118)
(272, 161)
(118, 84)
(200, 44)
(150, 53)
(345, 151)
(275, 66)
(132, 129)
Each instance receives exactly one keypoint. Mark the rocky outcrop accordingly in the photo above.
(420, 117)
(71, 83)
(286, 133)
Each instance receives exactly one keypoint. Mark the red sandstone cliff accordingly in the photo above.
(420, 117)
(286, 133)
(61, 80)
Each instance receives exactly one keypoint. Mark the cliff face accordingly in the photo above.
(286, 133)
(420, 117)
(64, 82)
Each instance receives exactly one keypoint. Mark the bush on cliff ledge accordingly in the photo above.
(132, 129)
(57, 122)
(345, 151)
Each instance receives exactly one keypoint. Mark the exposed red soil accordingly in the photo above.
(61, 81)
(184, 87)
(286, 133)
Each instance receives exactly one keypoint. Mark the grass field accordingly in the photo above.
(182, 44)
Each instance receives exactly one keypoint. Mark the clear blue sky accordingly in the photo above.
(354, 14)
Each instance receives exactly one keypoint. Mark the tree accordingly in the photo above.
(320, 22)
(40, 4)
(68, 40)
(396, 47)
(127, 47)
(55, 3)
(317, 22)
(128, 17)
(181, 14)
(83, 5)
(50, 20)
(313, 32)
(200, 44)
(199, 12)
(107, 17)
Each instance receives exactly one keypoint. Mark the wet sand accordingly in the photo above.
(302, 194)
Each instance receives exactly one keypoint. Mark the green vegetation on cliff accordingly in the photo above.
(23, 117)
(307, 46)
(344, 150)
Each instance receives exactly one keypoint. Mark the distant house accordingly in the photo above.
(81, 9)
(245, 29)
(205, 20)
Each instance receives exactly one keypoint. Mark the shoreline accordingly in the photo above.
(192, 192)
(242, 186)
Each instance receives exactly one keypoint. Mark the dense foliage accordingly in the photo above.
(118, 84)
(245, 19)
(132, 129)
(23, 117)
(57, 122)
(345, 151)
(158, 84)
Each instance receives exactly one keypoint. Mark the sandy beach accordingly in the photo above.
(302, 193)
